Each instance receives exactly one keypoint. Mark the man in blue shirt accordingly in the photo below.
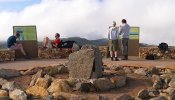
(13, 45)
(124, 31)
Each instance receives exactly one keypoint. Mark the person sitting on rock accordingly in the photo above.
(54, 44)
(57, 41)
(12, 44)
(45, 43)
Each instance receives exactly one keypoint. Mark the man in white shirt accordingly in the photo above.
(113, 42)
(124, 31)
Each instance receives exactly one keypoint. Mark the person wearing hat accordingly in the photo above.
(13, 45)
(113, 42)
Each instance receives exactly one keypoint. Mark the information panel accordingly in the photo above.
(134, 33)
(26, 32)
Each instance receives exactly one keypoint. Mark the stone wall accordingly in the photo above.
(170, 54)
(7, 55)
(53, 53)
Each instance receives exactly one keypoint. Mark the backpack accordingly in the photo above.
(150, 57)
(67, 44)
(163, 47)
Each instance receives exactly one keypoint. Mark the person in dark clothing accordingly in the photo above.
(12, 44)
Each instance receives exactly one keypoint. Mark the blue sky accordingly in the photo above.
(16, 5)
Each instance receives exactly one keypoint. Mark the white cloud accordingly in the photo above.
(91, 18)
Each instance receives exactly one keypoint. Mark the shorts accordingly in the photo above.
(15, 47)
(113, 45)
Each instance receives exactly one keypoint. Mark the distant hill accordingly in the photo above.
(78, 40)
(83, 41)
(100, 42)
(3, 44)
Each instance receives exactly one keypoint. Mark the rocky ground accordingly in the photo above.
(85, 75)
(22, 64)
(135, 80)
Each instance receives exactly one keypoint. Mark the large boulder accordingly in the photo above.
(37, 91)
(141, 71)
(170, 91)
(62, 69)
(172, 83)
(50, 70)
(116, 68)
(35, 77)
(153, 92)
(118, 81)
(158, 83)
(85, 87)
(154, 70)
(128, 70)
(3, 93)
(103, 84)
(18, 95)
(10, 86)
(59, 85)
(3, 81)
(9, 73)
(72, 82)
(85, 63)
(143, 94)
(43, 82)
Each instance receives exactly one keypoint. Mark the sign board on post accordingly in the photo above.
(28, 38)
(133, 43)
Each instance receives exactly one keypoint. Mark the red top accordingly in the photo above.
(56, 41)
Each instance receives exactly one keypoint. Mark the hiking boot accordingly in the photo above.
(27, 57)
(112, 59)
(116, 59)
(125, 57)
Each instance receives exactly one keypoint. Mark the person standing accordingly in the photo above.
(124, 32)
(12, 44)
(113, 42)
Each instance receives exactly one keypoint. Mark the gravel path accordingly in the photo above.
(133, 61)
(26, 64)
